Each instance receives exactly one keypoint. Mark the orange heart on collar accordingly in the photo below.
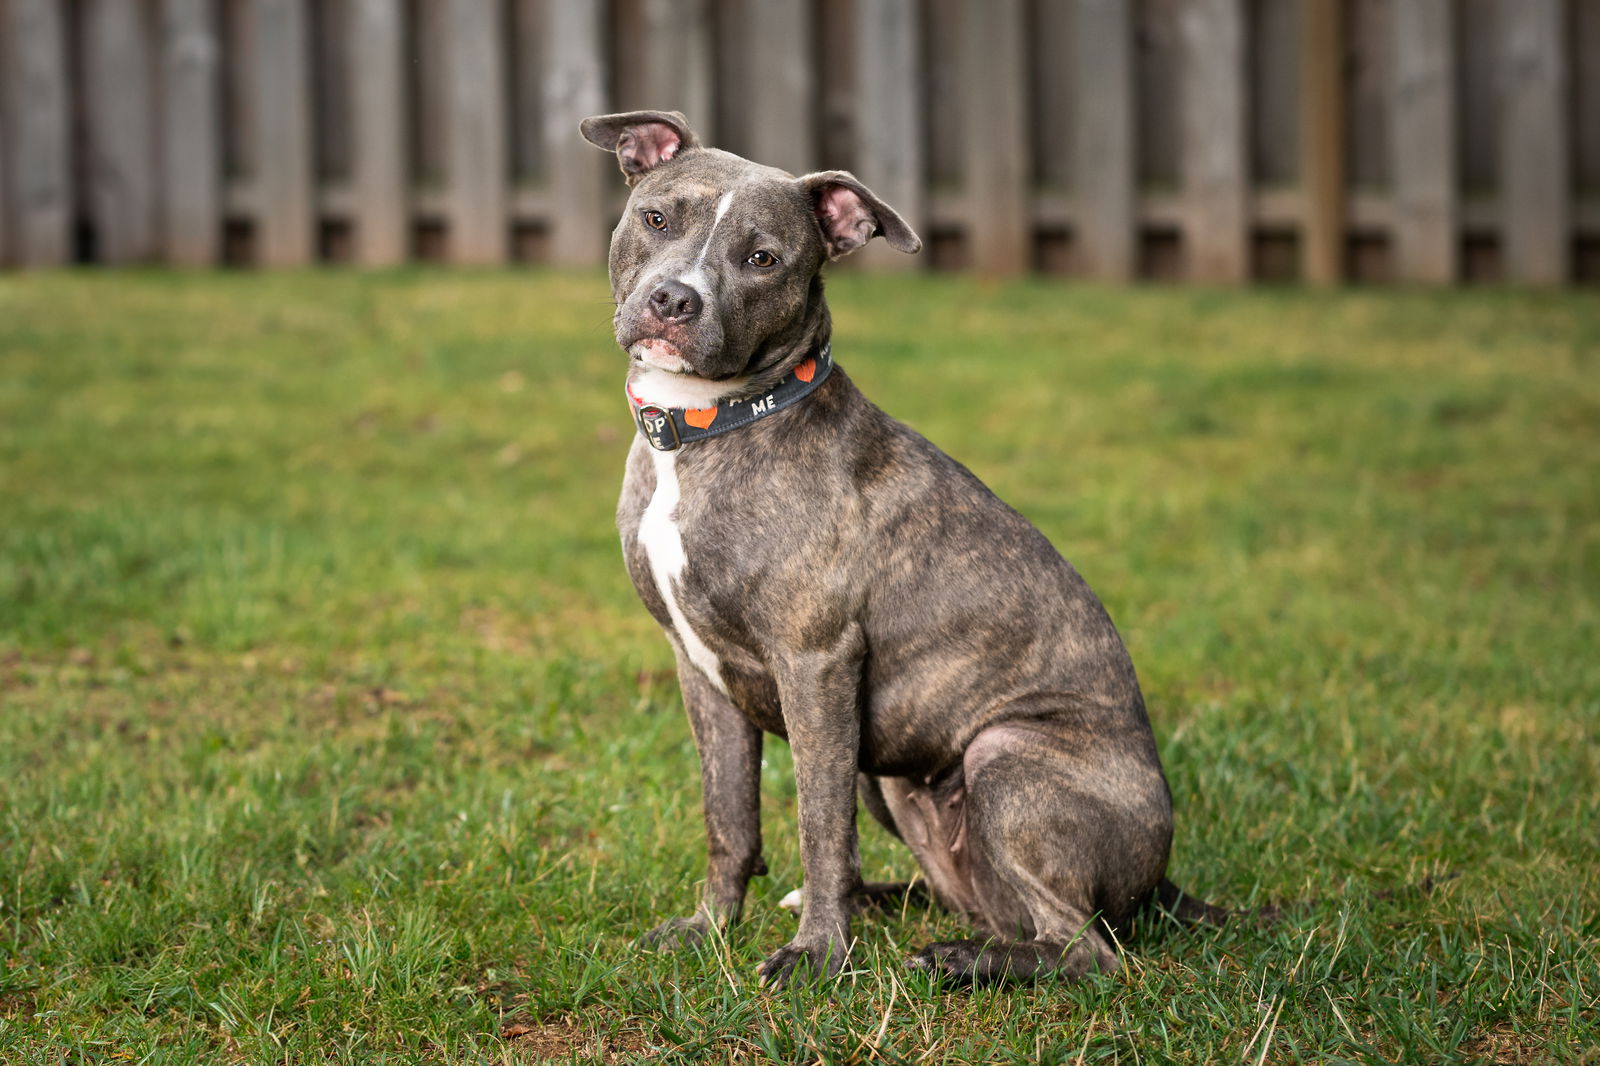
(700, 417)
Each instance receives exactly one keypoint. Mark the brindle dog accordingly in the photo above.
(826, 574)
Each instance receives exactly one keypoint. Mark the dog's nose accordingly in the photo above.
(673, 301)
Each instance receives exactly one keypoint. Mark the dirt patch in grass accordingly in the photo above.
(563, 1038)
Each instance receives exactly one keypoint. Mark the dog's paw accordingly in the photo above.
(677, 933)
(952, 960)
(798, 964)
(988, 962)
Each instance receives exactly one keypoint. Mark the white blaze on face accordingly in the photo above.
(663, 547)
(696, 277)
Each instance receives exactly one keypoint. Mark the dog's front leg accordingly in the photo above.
(730, 776)
(818, 693)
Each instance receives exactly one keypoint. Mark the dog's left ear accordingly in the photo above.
(850, 214)
(643, 140)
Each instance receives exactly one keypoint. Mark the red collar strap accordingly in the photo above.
(666, 428)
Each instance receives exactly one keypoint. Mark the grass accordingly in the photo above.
(331, 730)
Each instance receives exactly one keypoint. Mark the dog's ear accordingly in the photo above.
(643, 140)
(851, 215)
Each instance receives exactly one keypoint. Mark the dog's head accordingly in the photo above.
(714, 265)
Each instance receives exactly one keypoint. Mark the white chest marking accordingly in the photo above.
(663, 547)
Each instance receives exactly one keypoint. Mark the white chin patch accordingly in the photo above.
(651, 383)
(663, 355)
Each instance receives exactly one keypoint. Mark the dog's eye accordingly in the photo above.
(655, 220)
(763, 259)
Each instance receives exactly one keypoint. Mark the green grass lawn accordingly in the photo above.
(331, 729)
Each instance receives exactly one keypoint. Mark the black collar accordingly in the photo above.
(665, 428)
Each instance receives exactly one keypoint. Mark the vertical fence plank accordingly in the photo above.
(120, 127)
(285, 222)
(5, 165)
(676, 62)
(530, 83)
(574, 88)
(1322, 140)
(779, 92)
(377, 93)
(191, 156)
(1422, 121)
(1105, 173)
(1536, 186)
(38, 124)
(889, 146)
(479, 223)
(1215, 160)
(996, 174)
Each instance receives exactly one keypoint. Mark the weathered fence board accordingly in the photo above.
(1205, 140)
(378, 166)
(1104, 142)
(776, 90)
(996, 172)
(890, 153)
(38, 124)
(119, 114)
(191, 157)
(1215, 174)
(1536, 174)
(477, 133)
(282, 152)
(1322, 140)
(665, 59)
(1424, 142)
(574, 88)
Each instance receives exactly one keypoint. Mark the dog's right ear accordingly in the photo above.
(643, 140)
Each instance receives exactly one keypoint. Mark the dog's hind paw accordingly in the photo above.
(987, 962)
(676, 933)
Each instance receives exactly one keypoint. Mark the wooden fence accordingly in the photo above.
(1209, 140)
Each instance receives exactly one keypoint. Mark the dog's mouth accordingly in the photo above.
(659, 353)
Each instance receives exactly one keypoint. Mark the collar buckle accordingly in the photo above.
(660, 429)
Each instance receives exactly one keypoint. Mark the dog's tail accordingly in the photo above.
(1185, 909)
(1175, 903)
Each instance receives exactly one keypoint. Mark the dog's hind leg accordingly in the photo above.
(1059, 841)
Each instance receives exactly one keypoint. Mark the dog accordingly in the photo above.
(827, 575)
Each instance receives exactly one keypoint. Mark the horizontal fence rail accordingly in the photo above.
(1216, 141)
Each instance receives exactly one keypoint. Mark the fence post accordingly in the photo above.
(574, 88)
(780, 88)
(5, 173)
(479, 223)
(1424, 141)
(120, 123)
(996, 177)
(39, 127)
(1105, 179)
(1536, 181)
(191, 157)
(1322, 140)
(380, 168)
(889, 149)
(285, 221)
(1216, 173)
(675, 62)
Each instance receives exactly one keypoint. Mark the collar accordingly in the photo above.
(666, 428)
